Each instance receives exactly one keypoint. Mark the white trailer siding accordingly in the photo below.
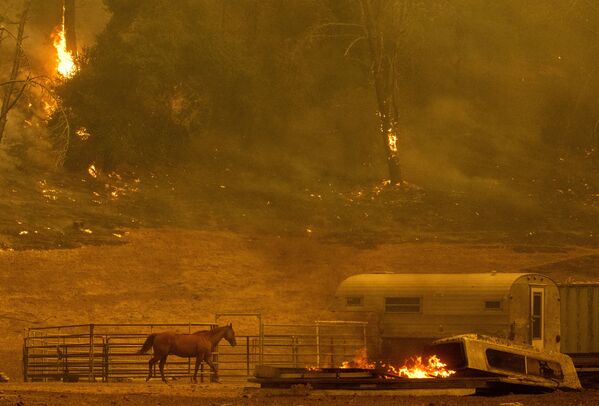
(429, 306)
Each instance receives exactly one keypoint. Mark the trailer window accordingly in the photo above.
(545, 369)
(506, 361)
(354, 301)
(402, 304)
(492, 305)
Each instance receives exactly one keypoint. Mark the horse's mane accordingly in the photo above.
(217, 328)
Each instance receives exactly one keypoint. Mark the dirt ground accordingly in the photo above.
(227, 394)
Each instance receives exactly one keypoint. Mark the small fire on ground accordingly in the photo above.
(418, 367)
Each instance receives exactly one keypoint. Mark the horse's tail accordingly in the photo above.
(147, 344)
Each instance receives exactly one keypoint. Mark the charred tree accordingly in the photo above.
(69, 26)
(11, 94)
(383, 56)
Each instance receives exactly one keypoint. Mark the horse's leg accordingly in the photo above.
(161, 366)
(151, 363)
(201, 371)
(198, 362)
(211, 364)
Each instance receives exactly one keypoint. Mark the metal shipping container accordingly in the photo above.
(579, 318)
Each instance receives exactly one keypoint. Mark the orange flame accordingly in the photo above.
(392, 140)
(414, 367)
(359, 361)
(65, 64)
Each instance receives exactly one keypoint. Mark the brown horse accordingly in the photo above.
(199, 345)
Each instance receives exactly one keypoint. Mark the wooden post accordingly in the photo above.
(261, 332)
(189, 359)
(91, 353)
(215, 357)
(25, 360)
(105, 370)
(317, 345)
(247, 352)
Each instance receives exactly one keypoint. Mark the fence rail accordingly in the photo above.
(108, 352)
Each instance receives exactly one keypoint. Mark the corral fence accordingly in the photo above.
(108, 352)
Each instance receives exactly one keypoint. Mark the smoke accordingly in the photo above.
(27, 143)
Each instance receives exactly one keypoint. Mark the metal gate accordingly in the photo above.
(108, 352)
(322, 344)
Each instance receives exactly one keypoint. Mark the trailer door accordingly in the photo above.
(537, 316)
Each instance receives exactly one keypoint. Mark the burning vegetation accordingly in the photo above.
(202, 109)
(65, 61)
(204, 116)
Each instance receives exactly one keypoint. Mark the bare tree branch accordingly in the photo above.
(351, 45)
(63, 128)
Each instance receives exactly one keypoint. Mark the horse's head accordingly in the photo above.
(230, 335)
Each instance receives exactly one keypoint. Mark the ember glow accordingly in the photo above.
(93, 172)
(64, 59)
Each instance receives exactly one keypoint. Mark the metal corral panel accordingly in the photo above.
(579, 318)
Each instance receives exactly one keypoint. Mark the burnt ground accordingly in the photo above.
(226, 394)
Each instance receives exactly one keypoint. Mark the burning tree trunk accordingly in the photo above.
(8, 101)
(384, 61)
(69, 26)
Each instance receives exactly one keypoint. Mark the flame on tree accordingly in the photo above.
(383, 54)
(65, 41)
(382, 58)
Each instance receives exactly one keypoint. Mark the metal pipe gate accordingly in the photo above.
(108, 352)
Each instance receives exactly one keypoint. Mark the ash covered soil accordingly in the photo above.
(172, 275)
(226, 394)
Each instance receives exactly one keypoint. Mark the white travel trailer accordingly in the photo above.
(408, 311)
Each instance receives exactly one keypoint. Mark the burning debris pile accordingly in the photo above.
(485, 365)
(417, 367)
